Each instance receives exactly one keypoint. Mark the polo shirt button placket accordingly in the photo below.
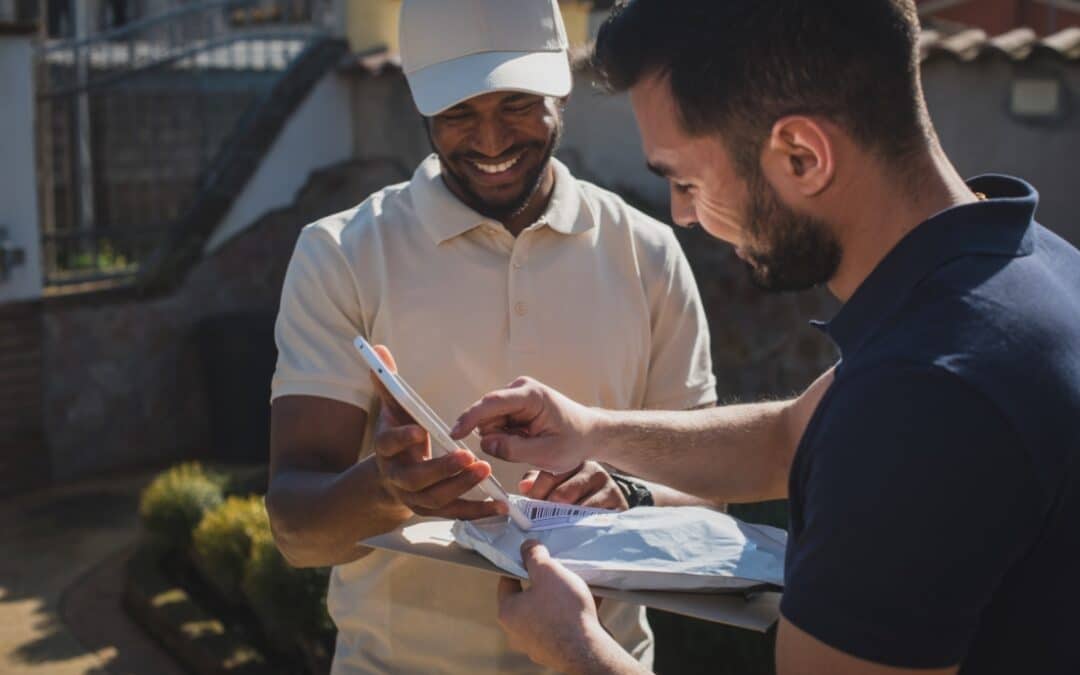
(519, 292)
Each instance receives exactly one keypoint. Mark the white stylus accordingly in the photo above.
(420, 411)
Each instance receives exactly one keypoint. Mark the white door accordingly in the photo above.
(20, 238)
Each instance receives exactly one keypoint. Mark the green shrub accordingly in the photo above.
(222, 541)
(289, 602)
(174, 503)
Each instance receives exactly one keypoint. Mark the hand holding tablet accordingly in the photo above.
(439, 432)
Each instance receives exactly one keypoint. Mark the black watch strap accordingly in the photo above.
(636, 494)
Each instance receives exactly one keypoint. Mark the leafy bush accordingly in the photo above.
(290, 602)
(222, 541)
(174, 503)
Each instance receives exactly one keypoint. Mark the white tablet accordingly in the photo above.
(441, 443)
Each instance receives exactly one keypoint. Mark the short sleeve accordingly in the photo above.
(319, 317)
(915, 498)
(680, 374)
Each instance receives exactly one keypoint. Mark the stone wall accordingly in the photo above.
(124, 382)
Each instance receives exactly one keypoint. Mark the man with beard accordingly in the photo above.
(492, 260)
(935, 493)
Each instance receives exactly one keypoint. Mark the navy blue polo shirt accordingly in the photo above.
(935, 496)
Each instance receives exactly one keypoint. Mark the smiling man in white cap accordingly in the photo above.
(493, 260)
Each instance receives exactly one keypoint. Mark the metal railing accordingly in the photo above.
(132, 120)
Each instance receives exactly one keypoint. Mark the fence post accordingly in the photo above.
(83, 140)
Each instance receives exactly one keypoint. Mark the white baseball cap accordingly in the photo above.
(454, 50)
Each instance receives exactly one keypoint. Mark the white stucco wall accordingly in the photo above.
(319, 134)
(601, 141)
(18, 191)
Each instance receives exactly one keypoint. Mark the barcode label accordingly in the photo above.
(549, 515)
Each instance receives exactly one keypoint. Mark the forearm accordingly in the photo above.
(724, 455)
(729, 455)
(319, 518)
(600, 654)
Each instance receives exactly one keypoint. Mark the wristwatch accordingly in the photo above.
(637, 494)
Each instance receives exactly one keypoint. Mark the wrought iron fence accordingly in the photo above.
(131, 121)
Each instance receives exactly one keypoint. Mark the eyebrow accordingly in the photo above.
(662, 170)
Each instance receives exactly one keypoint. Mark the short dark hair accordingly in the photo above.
(737, 66)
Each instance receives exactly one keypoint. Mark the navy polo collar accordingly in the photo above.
(1001, 225)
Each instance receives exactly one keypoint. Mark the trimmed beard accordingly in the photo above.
(799, 251)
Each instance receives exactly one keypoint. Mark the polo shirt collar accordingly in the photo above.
(445, 217)
(1001, 225)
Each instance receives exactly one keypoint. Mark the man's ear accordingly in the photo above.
(800, 154)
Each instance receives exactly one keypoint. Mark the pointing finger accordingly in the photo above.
(508, 407)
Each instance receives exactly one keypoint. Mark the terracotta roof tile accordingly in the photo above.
(1019, 44)
(965, 45)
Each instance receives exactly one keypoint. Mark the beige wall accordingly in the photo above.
(374, 23)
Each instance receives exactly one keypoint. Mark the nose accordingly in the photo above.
(492, 138)
(682, 210)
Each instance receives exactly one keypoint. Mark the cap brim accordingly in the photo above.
(444, 85)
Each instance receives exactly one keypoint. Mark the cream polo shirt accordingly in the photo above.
(595, 299)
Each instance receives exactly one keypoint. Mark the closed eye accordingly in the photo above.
(518, 109)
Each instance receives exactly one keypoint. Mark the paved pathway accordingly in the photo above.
(61, 576)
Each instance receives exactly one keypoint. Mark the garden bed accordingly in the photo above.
(208, 583)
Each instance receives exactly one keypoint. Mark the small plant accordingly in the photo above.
(290, 602)
(222, 541)
(174, 503)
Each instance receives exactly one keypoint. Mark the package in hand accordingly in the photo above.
(647, 548)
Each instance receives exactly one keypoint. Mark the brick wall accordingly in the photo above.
(23, 461)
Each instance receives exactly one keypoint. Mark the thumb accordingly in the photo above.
(386, 357)
(397, 414)
(535, 556)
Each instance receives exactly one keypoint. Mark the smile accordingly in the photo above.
(495, 169)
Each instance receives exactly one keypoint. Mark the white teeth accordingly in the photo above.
(497, 168)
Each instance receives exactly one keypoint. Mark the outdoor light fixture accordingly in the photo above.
(1038, 99)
